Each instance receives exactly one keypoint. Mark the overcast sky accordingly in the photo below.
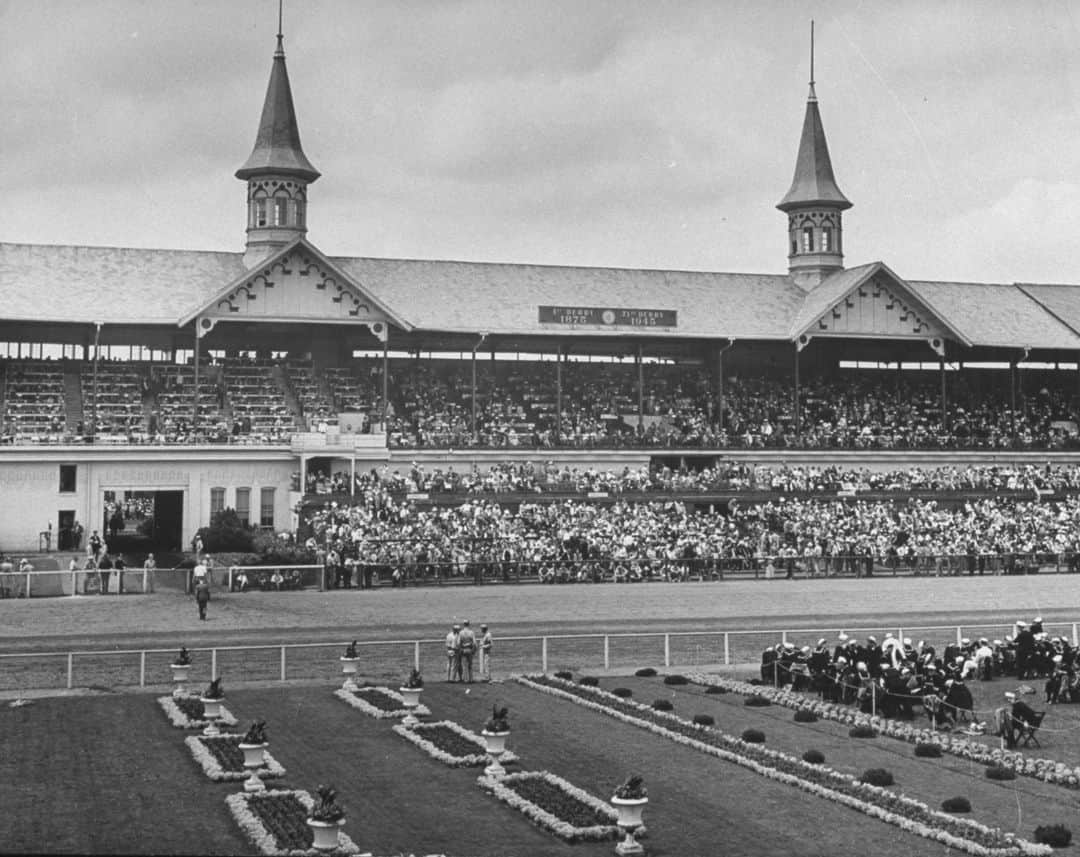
(630, 134)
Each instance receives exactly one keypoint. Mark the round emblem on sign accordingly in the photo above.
(608, 316)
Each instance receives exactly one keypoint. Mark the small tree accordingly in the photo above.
(226, 533)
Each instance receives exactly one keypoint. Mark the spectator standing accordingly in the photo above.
(104, 572)
(76, 535)
(485, 653)
(202, 597)
(149, 572)
(453, 662)
(467, 645)
(93, 546)
(199, 573)
(119, 565)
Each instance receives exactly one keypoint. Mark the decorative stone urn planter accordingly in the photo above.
(211, 712)
(179, 675)
(411, 696)
(496, 746)
(253, 760)
(349, 667)
(325, 833)
(629, 810)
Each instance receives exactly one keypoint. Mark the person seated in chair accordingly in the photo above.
(1020, 715)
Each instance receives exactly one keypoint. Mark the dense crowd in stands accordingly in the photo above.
(663, 540)
(520, 405)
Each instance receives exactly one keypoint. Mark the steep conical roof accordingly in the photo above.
(277, 145)
(814, 182)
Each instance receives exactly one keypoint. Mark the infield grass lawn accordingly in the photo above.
(110, 775)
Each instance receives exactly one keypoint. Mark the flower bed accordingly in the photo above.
(906, 813)
(1047, 770)
(380, 702)
(276, 821)
(222, 759)
(186, 712)
(556, 805)
(448, 742)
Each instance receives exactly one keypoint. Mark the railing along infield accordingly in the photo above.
(390, 660)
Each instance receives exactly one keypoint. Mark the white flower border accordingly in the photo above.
(212, 768)
(543, 818)
(416, 736)
(264, 840)
(1047, 770)
(350, 698)
(1017, 845)
(181, 721)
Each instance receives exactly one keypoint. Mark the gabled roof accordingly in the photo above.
(837, 287)
(277, 143)
(1061, 300)
(814, 182)
(998, 315)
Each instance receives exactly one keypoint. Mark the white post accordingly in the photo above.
(543, 655)
(667, 650)
(213, 663)
(28, 584)
(607, 652)
(74, 583)
(145, 575)
(1074, 634)
(142, 669)
(416, 655)
(959, 634)
(230, 578)
(283, 663)
(71, 670)
(727, 651)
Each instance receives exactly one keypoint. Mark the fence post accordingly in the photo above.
(959, 634)
(667, 650)
(543, 655)
(142, 668)
(71, 670)
(416, 655)
(607, 652)
(213, 663)
(28, 584)
(1074, 634)
(283, 663)
(727, 651)
(75, 584)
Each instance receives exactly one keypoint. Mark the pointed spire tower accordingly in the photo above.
(277, 172)
(814, 203)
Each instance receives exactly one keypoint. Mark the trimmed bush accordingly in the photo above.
(877, 777)
(676, 679)
(956, 804)
(704, 720)
(589, 681)
(712, 688)
(814, 757)
(927, 751)
(862, 732)
(565, 675)
(645, 672)
(757, 701)
(1054, 835)
(753, 736)
(756, 682)
(623, 692)
(805, 715)
(1000, 772)
(663, 705)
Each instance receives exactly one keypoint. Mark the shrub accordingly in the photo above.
(565, 675)
(756, 701)
(226, 532)
(862, 732)
(663, 705)
(753, 736)
(623, 692)
(712, 688)
(877, 777)
(704, 720)
(927, 751)
(756, 682)
(814, 757)
(805, 715)
(1054, 835)
(956, 804)
(589, 681)
(645, 672)
(676, 679)
(1000, 772)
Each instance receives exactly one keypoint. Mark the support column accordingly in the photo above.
(798, 425)
(386, 387)
(640, 391)
(474, 434)
(97, 353)
(944, 400)
(1012, 397)
(195, 393)
(558, 395)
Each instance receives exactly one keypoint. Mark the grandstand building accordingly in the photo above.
(203, 380)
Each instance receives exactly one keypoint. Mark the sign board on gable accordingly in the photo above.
(609, 316)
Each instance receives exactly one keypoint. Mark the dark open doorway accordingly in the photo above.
(140, 521)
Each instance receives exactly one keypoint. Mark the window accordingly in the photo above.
(281, 211)
(794, 246)
(67, 478)
(808, 239)
(259, 213)
(217, 501)
(298, 213)
(826, 240)
(266, 508)
(243, 505)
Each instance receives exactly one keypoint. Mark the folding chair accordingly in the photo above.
(1026, 731)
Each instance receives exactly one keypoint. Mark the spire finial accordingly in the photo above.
(280, 36)
(813, 94)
